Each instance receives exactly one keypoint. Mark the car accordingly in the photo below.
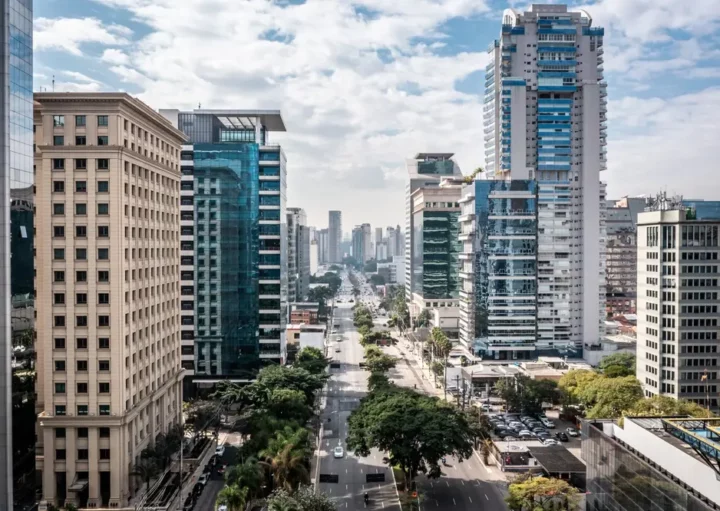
(337, 350)
(222, 508)
(203, 479)
(547, 423)
(221, 469)
(539, 430)
(486, 407)
(562, 436)
(220, 450)
(550, 441)
(525, 432)
(338, 452)
(508, 435)
(572, 432)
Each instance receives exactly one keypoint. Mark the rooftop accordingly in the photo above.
(435, 156)
(556, 459)
(244, 119)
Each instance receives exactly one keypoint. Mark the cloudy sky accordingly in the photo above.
(365, 84)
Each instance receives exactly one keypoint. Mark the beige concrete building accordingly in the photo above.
(107, 176)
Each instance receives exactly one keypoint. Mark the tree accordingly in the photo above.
(292, 378)
(529, 493)
(626, 360)
(486, 449)
(665, 406)
(523, 394)
(200, 415)
(608, 398)
(286, 457)
(370, 266)
(574, 382)
(480, 426)
(377, 280)
(471, 177)
(415, 430)
(146, 469)
(437, 369)
(289, 404)
(303, 499)
(246, 475)
(312, 360)
(377, 381)
(380, 363)
(443, 347)
(617, 371)
(233, 497)
(423, 319)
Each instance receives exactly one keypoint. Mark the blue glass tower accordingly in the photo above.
(234, 185)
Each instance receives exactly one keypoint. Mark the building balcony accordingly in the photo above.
(269, 325)
(269, 341)
(270, 355)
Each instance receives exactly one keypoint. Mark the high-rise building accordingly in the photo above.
(391, 235)
(298, 255)
(425, 170)
(677, 311)
(381, 250)
(368, 252)
(323, 246)
(358, 244)
(335, 254)
(621, 259)
(239, 280)
(314, 252)
(545, 120)
(108, 324)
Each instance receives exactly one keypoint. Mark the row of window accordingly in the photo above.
(81, 343)
(103, 254)
(81, 299)
(103, 231)
(81, 186)
(103, 209)
(82, 454)
(82, 387)
(81, 164)
(81, 276)
(699, 256)
(61, 410)
(82, 432)
(80, 121)
(699, 296)
(82, 365)
(81, 321)
(59, 140)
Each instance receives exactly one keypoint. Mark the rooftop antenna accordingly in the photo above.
(53, 83)
(199, 105)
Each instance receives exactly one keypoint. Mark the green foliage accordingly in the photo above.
(233, 497)
(523, 394)
(303, 499)
(146, 469)
(370, 266)
(617, 371)
(377, 381)
(247, 475)
(289, 405)
(286, 457)
(664, 406)
(528, 493)
(626, 360)
(292, 378)
(380, 364)
(438, 368)
(312, 360)
(165, 447)
(200, 415)
(574, 382)
(610, 397)
(377, 280)
(423, 319)
(415, 430)
(335, 268)
(471, 177)
(331, 279)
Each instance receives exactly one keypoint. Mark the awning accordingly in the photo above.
(78, 485)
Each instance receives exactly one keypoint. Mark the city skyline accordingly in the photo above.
(431, 61)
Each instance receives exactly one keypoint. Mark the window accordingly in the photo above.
(81, 321)
(104, 343)
(104, 432)
(103, 298)
(81, 186)
(58, 164)
(102, 120)
(104, 454)
(81, 276)
(81, 343)
(103, 276)
(103, 186)
(82, 409)
(105, 409)
(81, 163)
(59, 366)
(104, 321)
(59, 321)
(103, 208)
(80, 140)
(80, 121)
(59, 387)
(58, 121)
(82, 432)
(104, 387)
(102, 140)
(59, 432)
(103, 231)
(59, 276)
(103, 254)
(59, 254)
(80, 209)
(59, 343)
(59, 209)
(82, 388)
(58, 232)
(58, 140)
(59, 453)
(81, 298)
(59, 298)
(81, 254)
(58, 186)
(82, 365)
(82, 454)
(81, 231)
(102, 164)
(60, 410)
(104, 365)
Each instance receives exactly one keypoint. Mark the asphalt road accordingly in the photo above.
(346, 386)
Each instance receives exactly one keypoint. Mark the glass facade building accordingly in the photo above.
(16, 110)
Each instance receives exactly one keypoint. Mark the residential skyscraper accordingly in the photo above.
(298, 255)
(391, 235)
(239, 279)
(545, 120)
(368, 252)
(16, 160)
(323, 246)
(108, 323)
(334, 236)
(358, 244)
(621, 258)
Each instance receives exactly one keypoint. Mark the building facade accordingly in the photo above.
(677, 287)
(368, 251)
(335, 254)
(323, 244)
(17, 314)
(109, 371)
(240, 273)
(545, 120)
(358, 244)
(298, 255)
(621, 257)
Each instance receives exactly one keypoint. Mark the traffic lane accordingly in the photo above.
(206, 501)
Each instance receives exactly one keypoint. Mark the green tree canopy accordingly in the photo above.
(233, 497)
(664, 406)
(292, 378)
(377, 280)
(415, 430)
(523, 394)
(617, 371)
(246, 475)
(370, 266)
(529, 493)
(286, 457)
(423, 319)
(380, 363)
(312, 360)
(627, 360)
(608, 398)
(303, 499)
(574, 382)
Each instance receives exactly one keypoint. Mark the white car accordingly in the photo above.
(220, 450)
(547, 423)
(550, 441)
(338, 452)
(203, 479)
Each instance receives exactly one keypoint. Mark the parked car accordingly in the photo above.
(550, 441)
(572, 432)
(204, 479)
(562, 436)
(547, 423)
(220, 450)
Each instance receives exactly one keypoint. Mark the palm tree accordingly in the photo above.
(283, 505)
(444, 347)
(248, 475)
(286, 458)
(233, 497)
(146, 469)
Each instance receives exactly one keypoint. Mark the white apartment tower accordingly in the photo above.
(677, 305)
(545, 120)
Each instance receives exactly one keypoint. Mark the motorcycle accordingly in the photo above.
(366, 498)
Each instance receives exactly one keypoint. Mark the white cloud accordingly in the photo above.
(114, 56)
(68, 34)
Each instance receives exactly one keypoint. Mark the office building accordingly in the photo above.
(298, 255)
(381, 251)
(436, 249)
(17, 316)
(668, 463)
(545, 120)
(391, 242)
(358, 244)
(498, 295)
(368, 250)
(335, 254)
(323, 237)
(108, 324)
(677, 311)
(621, 267)
(239, 280)
(425, 170)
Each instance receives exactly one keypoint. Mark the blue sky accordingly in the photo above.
(365, 84)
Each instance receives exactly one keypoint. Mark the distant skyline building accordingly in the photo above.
(323, 237)
(545, 120)
(298, 255)
(621, 255)
(335, 254)
(358, 244)
(368, 252)
(234, 230)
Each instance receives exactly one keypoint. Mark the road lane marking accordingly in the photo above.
(346, 471)
(447, 484)
(431, 484)
(377, 470)
(470, 498)
(454, 503)
(462, 482)
(486, 497)
(383, 504)
(346, 486)
(487, 469)
(346, 504)
(437, 504)
(361, 471)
